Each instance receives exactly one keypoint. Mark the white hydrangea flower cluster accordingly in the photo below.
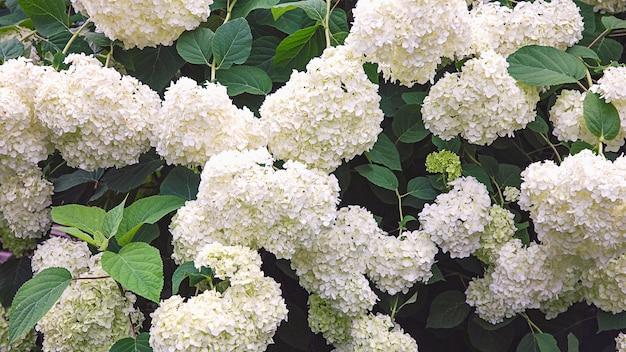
(511, 194)
(196, 123)
(408, 38)
(397, 263)
(328, 113)
(243, 200)
(24, 202)
(569, 124)
(370, 333)
(98, 118)
(24, 141)
(19, 247)
(580, 215)
(458, 218)
(520, 279)
(64, 253)
(145, 23)
(90, 315)
(557, 23)
(611, 6)
(332, 323)
(605, 285)
(498, 231)
(243, 318)
(24, 343)
(620, 342)
(481, 103)
(334, 266)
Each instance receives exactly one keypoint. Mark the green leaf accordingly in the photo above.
(582, 51)
(129, 177)
(608, 321)
(232, 43)
(437, 275)
(145, 211)
(88, 219)
(407, 124)
(99, 39)
(188, 270)
(112, 220)
(300, 46)
(384, 152)
(244, 7)
(13, 273)
(153, 66)
(539, 125)
(10, 49)
(138, 267)
(494, 340)
(314, 9)
(195, 46)
(288, 23)
(538, 343)
(601, 117)
(416, 98)
(79, 234)
(509, 175)
(612, 22)
(378, 175)
(478, 173)
(453, 145)
(141, 344)
(35, 298)
(579, 146)
(78, 177)
(537, 65)
(572, 343)
(489, 164)
(181, 182)
(245, 79)
(448, 310)
(338, 22)
(421, 188)
(48, 16)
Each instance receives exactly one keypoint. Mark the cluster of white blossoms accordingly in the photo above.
(144, 23)
(396, 263)
(332, 323)
(243, 318)
(620, 342)
(611, 6)
(328, 113)
(605, 285)
(196, 123)
(243, 200)
(480, 103)
(408, 38)
(24, 343)
(24, 201)
(91, 314)
(557, 23)
(377, 333)
(456, 220)
(97, 117)
(20, 247)
(580, 215)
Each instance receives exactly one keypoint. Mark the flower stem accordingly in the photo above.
(75, 35)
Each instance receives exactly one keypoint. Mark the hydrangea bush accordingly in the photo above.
(314, 175)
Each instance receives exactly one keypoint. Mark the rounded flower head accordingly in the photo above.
(332, 323)
(481, 103)
(98, 118)
(498, 231)
(144, 23)
(24, 201)
(577, 207)
(243, 200)
(237, 264)
(64, 253)
(408, 38)
(457, 219)
(24, 343)
(377, 333)
(611, 6)
(605, 285)
(326, 114)
(196, 123)
(90, 315)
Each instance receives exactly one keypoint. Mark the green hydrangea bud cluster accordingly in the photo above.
(444, 162)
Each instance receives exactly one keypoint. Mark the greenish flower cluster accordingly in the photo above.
(444, 162)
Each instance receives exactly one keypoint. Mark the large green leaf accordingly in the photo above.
(448, 310)
(490, 340)
(145, 211)
(384, 152)
(298, 48)
(10, 49)
(140, 344)
(421, 188)
(181, 182)
(540, 342)
(232, 43)
(138, 267)
(153, 66)
(49, 16)
(245, 79)
(315, 9)
(609, 321)
(612, 22)
(601, 117)
(13, 273)
(35, 298)
(572, 343)
(243, 7)
(78, 177)
(407, 124)
(537, 65)
(188, 270)
(112, 220)
(87, 219)
(129, 177)
(378, 175)
(195, 46)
